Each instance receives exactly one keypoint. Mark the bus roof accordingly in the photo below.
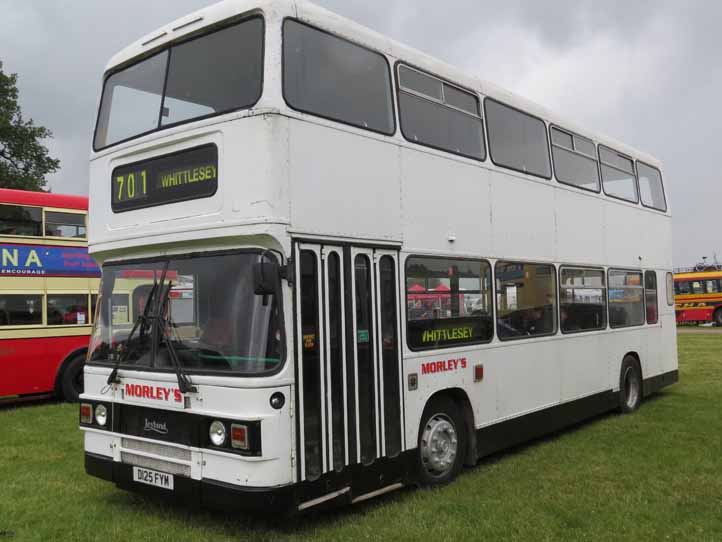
(43, 199)
(699, 275)
(198, 21)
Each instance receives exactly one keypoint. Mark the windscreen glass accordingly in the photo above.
(215, 73)
(205, 306)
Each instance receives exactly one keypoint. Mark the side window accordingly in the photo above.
(582, 300)
(626, 302)
(671, 289)
(21, 310)
(21, 220)
(618, 175)
(437, 114)
(448, 302)
(517, 140)
(697, 287)
(650, 187)
(525, 300)
(575, 160)
(713, 286)
(650, 296)
(683, 287)
(334, 78)
(67, 309)
(59, 224)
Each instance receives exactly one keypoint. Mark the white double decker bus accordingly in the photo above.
(334, 266)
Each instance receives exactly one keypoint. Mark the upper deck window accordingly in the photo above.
(59, 224)
(650, 187)
(333, 78)
(618, 175)
(21, 220)
(517, 140)
(575, 160)
(439, 115)
(209, 75)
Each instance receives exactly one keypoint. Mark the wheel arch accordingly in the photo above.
(717, 315)
(460, 397)
(58, 387)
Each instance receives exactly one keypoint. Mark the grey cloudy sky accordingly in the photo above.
(645, 72)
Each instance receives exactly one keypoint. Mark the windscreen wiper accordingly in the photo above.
(142, 322)
(184, 383)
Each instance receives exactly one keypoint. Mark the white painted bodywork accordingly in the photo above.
(285, 174)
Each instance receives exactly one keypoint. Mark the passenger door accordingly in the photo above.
(348, 357)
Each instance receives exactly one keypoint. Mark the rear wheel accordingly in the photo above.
(71, 385)
(442, 442)
(630, 385)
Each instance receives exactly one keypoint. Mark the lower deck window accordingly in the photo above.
(21, 309)
(448, 302)
(525, 300)
(626, 301)
(68, 309)
(582, 300)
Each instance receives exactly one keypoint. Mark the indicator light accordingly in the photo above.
(86, 413)
(239, 436)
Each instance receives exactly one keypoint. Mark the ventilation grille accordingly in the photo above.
(170, 452)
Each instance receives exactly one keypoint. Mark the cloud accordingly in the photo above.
(645, 72)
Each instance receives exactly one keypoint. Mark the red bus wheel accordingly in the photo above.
(72, 383)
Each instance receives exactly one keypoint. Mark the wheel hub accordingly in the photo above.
(439, 445)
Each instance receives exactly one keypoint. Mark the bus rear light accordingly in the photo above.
(86, 413)
(239, 436)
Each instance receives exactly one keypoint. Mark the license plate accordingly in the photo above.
(153, 478)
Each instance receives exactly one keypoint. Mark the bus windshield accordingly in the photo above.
(212, 316)
(213, 74)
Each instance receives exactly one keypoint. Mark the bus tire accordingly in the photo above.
(718, 317)
(71, 384)
(630, 385)
(442, 442)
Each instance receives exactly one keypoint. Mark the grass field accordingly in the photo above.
(654, 475)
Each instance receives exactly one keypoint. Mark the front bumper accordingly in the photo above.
(199, 493)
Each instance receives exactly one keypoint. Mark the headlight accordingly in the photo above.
(101, 414)
(217, 433)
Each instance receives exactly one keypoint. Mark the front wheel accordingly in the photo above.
(72, 382)
(630, 385)
(442, 442)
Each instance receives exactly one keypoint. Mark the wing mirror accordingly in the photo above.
(266, 275)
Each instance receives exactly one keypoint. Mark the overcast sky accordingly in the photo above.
(648, 73)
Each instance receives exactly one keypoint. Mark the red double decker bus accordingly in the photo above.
(48, 287)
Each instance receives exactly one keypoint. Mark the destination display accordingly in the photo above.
(181, 176)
